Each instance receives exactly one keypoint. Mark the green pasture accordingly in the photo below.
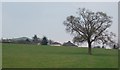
(37, 56)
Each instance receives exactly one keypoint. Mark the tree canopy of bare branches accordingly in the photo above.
(89, 27)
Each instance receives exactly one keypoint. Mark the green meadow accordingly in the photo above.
(37, 56)
(0, 56)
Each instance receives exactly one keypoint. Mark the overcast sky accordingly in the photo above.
(24, 19)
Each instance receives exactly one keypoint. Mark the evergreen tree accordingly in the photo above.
(44, 41)
(35, 39)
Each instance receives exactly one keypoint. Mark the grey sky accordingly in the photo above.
(46, 19)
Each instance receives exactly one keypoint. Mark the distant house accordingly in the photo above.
(55, 44)
(69, 44)
(38, 44)
(108, 48)
(96, 47)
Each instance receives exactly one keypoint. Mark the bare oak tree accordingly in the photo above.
(89, 27)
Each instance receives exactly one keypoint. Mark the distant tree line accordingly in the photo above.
(45, 41)
(25, 40)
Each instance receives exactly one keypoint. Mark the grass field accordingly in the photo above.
(34, 56)
(0, 56)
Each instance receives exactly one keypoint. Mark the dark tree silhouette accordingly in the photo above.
(35, 39)
(44, 41)
(28, 41)
(115, 46)
(89, 27)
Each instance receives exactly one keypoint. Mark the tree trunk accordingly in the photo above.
(89, 48)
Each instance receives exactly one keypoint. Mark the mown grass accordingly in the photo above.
(0, 55)
(34, 56)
